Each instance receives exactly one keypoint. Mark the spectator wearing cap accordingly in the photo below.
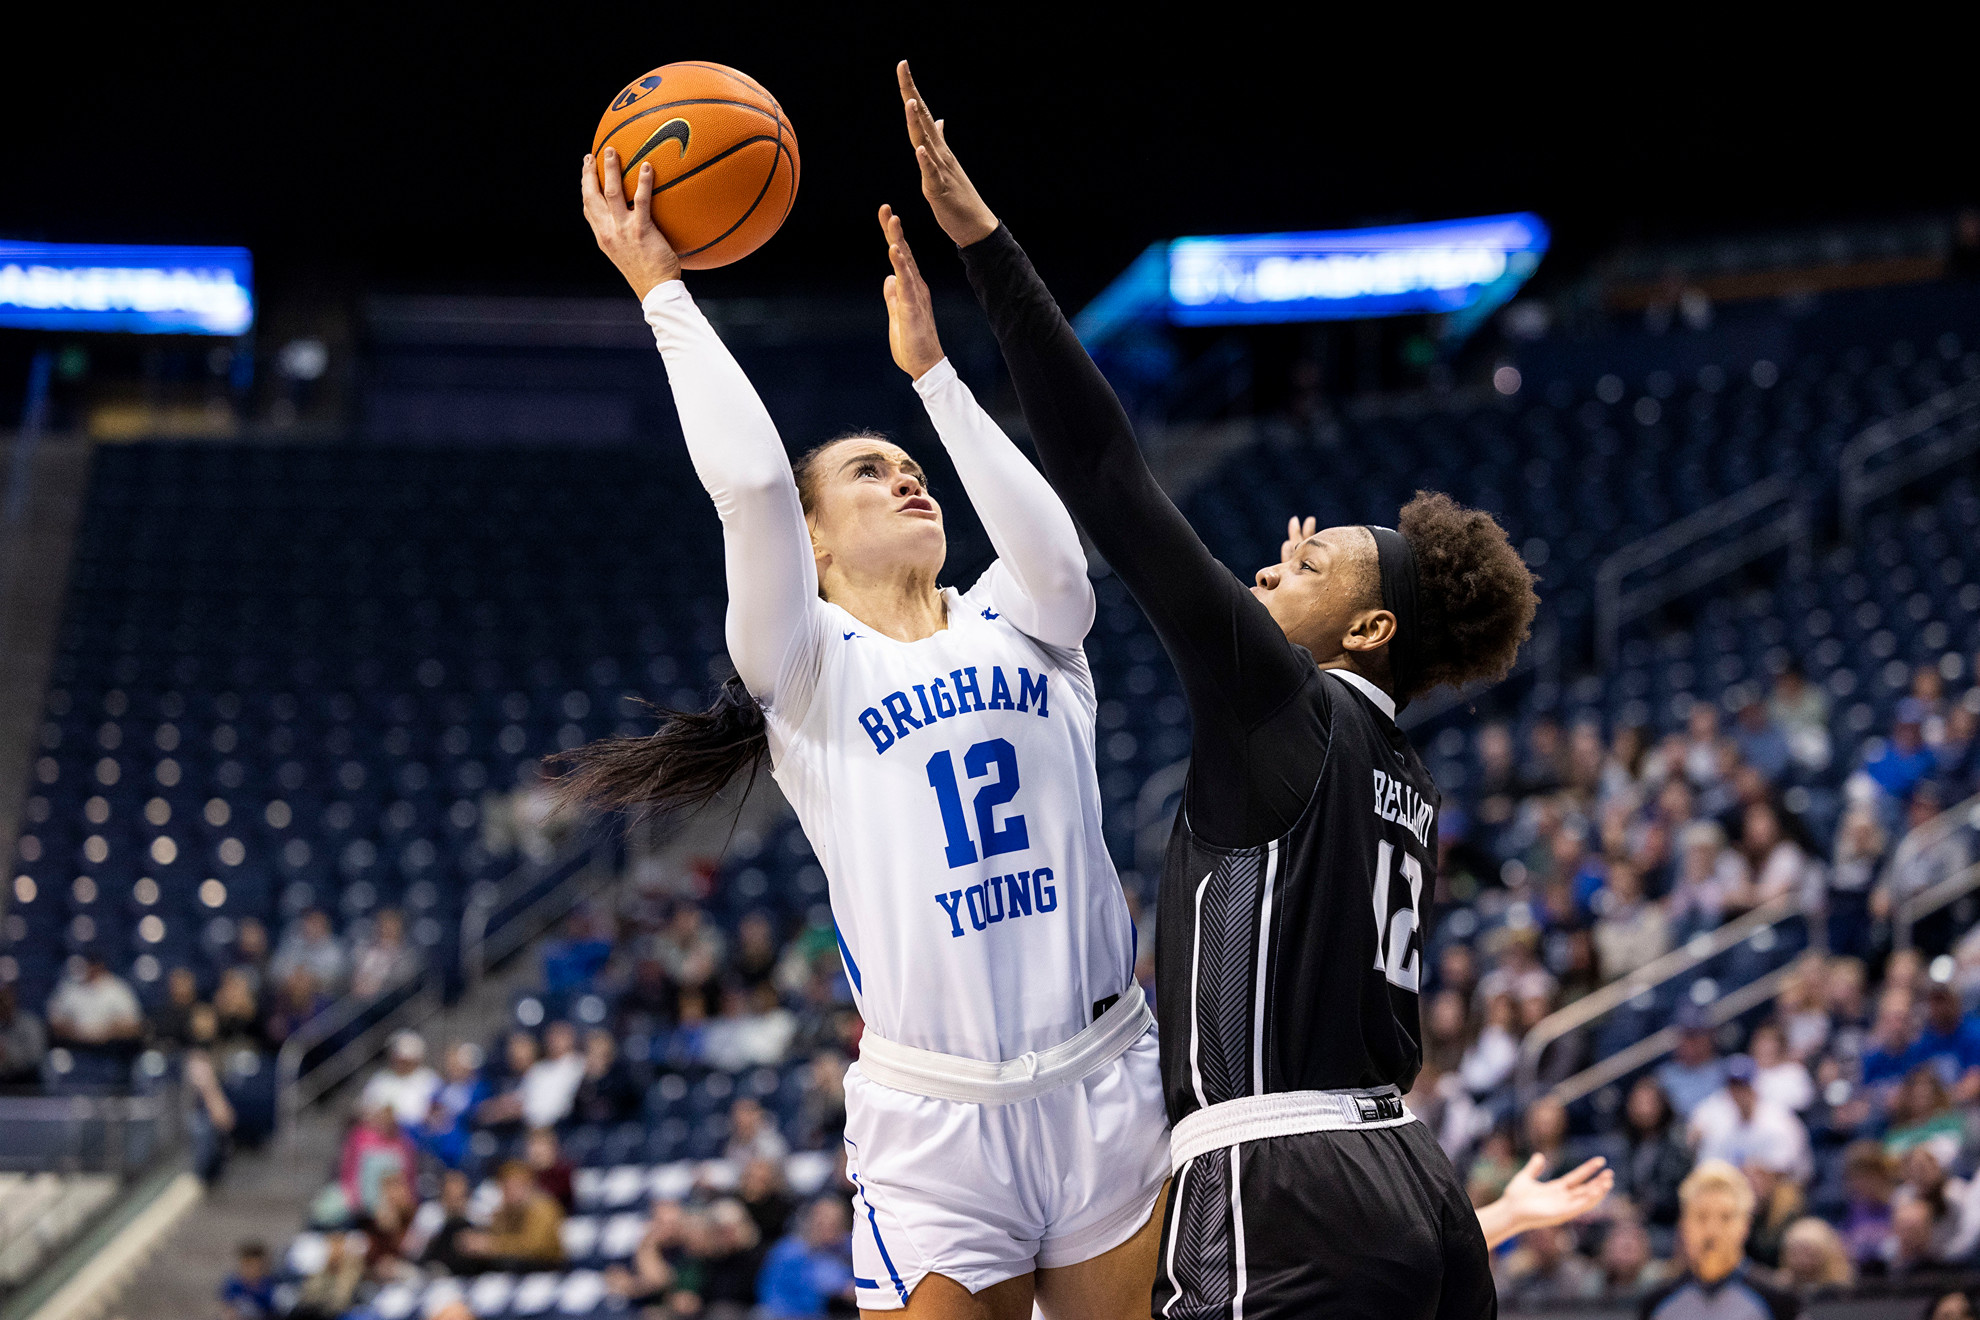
(1713, 1228)
(1736, 1125)
(405, 1085)
(1694, 1069)
(95, 1007)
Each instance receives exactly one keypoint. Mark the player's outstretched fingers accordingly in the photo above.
(615, 184)
(642, 203)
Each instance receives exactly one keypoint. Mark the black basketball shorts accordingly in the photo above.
(1354, 1222)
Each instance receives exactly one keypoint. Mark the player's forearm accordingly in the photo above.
(1498, 1223)
(741, 462)
(1029, 527)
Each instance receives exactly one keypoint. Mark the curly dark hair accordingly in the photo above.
(1475, 600)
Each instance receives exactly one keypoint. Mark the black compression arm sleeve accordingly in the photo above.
(1236, 665)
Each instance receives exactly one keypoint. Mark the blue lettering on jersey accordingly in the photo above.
(1001, 897)
(959, 692)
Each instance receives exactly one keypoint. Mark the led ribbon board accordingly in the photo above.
(1470, 266)
(132, 290)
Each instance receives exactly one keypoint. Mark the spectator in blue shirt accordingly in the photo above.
(249, 1292)
(1950, 1042)
(1893, 1042)
(1905, 761)
(1761, 745)
(811, 1267)
(1694, 1069)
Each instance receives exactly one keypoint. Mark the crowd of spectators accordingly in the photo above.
(1836, 1122)
(1846, 1111)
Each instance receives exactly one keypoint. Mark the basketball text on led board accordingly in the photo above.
(1438, 267)
(134, 290)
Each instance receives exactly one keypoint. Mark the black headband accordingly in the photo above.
(1399, 583)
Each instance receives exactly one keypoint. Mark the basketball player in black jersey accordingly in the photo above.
(1304, 855)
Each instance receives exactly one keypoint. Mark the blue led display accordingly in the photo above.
(133, 290)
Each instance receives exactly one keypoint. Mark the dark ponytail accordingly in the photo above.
(694, 754)
(691, 758)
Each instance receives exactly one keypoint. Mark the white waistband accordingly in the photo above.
(978, 1081)
(1283, 1114)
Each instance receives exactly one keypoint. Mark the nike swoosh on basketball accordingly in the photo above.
(674, 130)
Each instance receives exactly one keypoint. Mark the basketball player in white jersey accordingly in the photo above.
(1005, 1119)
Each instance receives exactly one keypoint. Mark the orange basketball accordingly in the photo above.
(725, 160)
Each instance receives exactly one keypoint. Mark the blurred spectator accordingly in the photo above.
(1812, 1257)
(1920, 862)
(1656, 1154)
(1628, 1261)
(441, 1246)
(1631, 931)
(655, 1262)
(249, 1292)
(1904, 761)
(1777, 1203)
(755, 960)
(23, 1041)
(1803, 1011)
(95, 1007)
(328, 1293)
(690, 948)
(405, 1085)
(238, 1009)
(444, 1132)
(170, 1023)
(310, 944)
(753, 1031)
(385, 958)
(374, 1147)
(389, 1223)
(555, 1175)
(1711, 880)
(543, 1095)
(503, 1082)
(1736, 1125)
(1959, 755)
(1712, 1228)
(1922, 1115)
(761, 1192)
(607, 1093)
(752, 1136)
(571, 961)
(1952, 1306)
(1893, 1041)
(1694, 1069)
(1869, 1185)
(1778, 1077)
(250, 955)
(210, 1115)
(1493, 1052)
(1761, 742)
(810, 1268)
(1800, 710)
(1543, 1267)
(1546, 1124)
(729, 1248)
(1950, 1042)
(1779, 867)
(526, 1231)
(1914, 1229)
(299, 1000)
(1860, 848)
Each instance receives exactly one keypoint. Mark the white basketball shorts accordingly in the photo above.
(984, 1193)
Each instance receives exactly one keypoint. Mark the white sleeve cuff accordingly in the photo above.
(932, 379)
(667, 291)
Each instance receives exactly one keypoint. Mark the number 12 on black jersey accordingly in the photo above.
(1398, 948)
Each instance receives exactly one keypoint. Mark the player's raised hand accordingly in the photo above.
(958, 207)
(910, 311)
(1296, 532)
(625, 231)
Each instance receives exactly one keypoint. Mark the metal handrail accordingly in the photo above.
(296, 1085)
(1614, 607)
(1657, 1044)
(478, 932)
(1927, 901)
(1694, 953)
(1959, 816)
(1857, 487)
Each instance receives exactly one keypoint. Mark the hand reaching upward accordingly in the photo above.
(910, 311)
(625, 230)
(958, 208)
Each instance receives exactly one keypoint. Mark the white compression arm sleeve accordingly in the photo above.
(1045, 591)
(773, 580)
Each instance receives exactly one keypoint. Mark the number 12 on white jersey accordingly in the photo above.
(1397, 951)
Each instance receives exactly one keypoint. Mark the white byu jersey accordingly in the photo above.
(949, 789)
